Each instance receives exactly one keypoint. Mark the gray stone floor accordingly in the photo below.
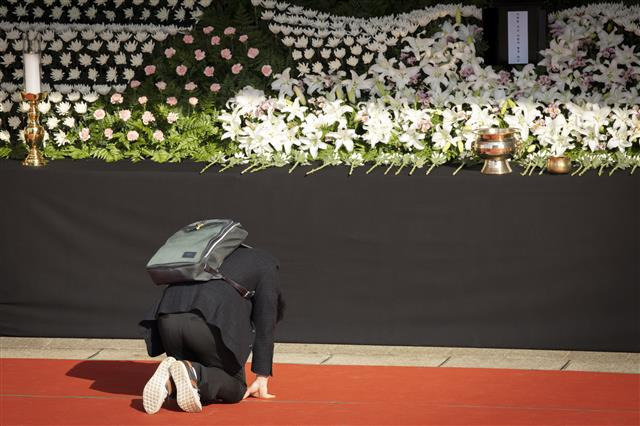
(293, 353)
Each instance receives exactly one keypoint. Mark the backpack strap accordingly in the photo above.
(247, 294)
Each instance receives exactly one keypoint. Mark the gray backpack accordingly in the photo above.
(196, 252)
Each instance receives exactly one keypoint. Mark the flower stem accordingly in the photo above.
(372, 168)
(601, 169)
(294, 166)
(399, 169)
(207, 167)
(413, 169)
(351, 169)
(542, 169)
(526, 170)
(388, 168)
(613, 170)
(634, 169)
(584, 171)
(317, 169)
(430, 168)
(577, 170)
(228, 166)
(458, 169)
(251, 166)
(532, 169)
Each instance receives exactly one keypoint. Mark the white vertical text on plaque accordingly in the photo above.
(518, 37)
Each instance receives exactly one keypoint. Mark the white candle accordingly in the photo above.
(32, 72)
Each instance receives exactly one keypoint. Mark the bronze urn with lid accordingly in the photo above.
(495, 146)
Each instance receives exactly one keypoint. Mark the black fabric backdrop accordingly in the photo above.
(441, 260)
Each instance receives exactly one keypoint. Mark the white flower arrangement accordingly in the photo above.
(416, 110)
(554, 113)
(355, 34)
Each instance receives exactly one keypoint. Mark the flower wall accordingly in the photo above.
(262, 83)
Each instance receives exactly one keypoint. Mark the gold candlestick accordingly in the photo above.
(34, 132)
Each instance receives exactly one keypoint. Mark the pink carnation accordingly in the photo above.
(207, 30)
(215, 40)
(149, 69)
(208, 71)
(199, 54)
(243, 38)
(147, 117)
(172, 101)
(161, 85)
(84, 134)
(169, 52)
(158, 135)
(142, 100)
(132, 136)
(266, 70)
(99, 114)
(226, 54)
(116, 98)
(181, 70)
(124, 115)
(236, 68)
(229, 31)
(134, 84)
(190, 86)
(215, 87)
(108, 133)
(172, 117)
(193, 101)
(188, 38)
(253, 52)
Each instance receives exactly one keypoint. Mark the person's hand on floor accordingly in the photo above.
(258, 389)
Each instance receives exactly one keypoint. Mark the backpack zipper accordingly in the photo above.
(233, 225)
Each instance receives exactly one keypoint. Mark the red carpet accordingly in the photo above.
(71, 392)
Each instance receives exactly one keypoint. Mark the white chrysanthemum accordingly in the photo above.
(74, 73)
(75, 46)
(52, 122)
(80, 107)
(44, 107)
(55, 97)
(63, 108)
(70, 122)
(60, 138)
(14, 122)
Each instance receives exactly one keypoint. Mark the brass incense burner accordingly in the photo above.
(34, 132)
(559, 165)
(495, 146)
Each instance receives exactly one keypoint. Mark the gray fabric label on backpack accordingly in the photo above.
(189, 254)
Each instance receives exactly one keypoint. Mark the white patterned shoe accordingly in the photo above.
(187, 390)
(155, 391)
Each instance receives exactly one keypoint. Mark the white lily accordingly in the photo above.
(231, 124)
(293, 110)
(343, 136)
(358, 83)
(283, 82)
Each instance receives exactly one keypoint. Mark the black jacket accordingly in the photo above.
(245, 325)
